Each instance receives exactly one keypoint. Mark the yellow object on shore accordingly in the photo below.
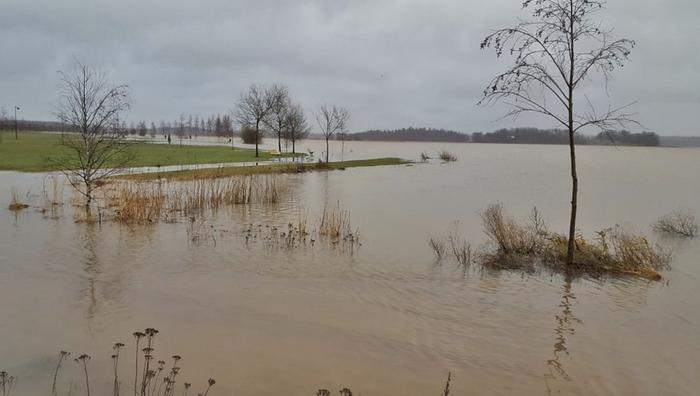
(275, 152)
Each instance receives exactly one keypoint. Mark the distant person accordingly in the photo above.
(169, 139)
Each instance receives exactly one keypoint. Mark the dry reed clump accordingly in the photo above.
(151, 377)
(446, 156)
(146, 202)
(438, 247)
(461, 249)
(677, 223)
(336, 226)
(615, 251)
(516, 244)
(424, 157)
(7, 382)
(15, 203)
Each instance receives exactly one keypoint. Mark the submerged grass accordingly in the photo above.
(295, 167)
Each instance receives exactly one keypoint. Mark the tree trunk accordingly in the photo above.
(293, 148)
(279, 142)
(257, 138)
(327, 150)
(572, 146)
(574, 203)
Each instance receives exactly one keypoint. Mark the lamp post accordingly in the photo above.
(16, 108)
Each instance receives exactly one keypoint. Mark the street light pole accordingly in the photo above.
(16, 108)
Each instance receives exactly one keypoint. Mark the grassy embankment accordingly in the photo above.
(32, 152)
(212, 173)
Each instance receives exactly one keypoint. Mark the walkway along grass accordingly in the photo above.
(298, 167)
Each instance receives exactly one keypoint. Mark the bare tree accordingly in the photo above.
(297, 128)
(253, 107)
(332, 120)
(91, 105)
(277, 117)
(555, 54)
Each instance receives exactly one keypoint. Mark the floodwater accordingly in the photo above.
(382, 319)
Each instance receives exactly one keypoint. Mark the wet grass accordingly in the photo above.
(33, 151)
(297, 167)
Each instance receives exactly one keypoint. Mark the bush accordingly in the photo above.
(248, 136)
(677, 223)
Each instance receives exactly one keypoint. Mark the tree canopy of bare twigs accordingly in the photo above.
(256, 105)
(332, 120)
(297, 128)
(91, 105)
(276, 119)
(555, 53)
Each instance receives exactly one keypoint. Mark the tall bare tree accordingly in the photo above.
(275, 121)
(92, 105)
(297, 128)
(332, 120)
(253, 107)
(555, 53)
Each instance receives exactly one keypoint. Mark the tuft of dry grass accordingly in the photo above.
(15, 203)
(447, 156)
(438, 248)
(461, 249)
(336, 226)
(678, 223)
(7, 382)
(615, 251)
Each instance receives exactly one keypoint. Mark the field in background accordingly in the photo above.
(33, 151)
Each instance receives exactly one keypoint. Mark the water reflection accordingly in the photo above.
(91, 269)
(565, 321)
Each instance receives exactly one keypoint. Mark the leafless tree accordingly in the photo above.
(275, 121)
(254, 107)
(296, 126)
(332, 120)
(91, 105)
(555, 53)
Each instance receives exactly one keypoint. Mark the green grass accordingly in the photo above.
(33, 151)
(298, 167)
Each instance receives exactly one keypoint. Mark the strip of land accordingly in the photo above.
(33, 152)
(295, 167)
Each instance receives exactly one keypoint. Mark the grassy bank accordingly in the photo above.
(212, 173)
(33, 151)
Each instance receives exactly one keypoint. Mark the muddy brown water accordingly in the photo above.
(384, 319)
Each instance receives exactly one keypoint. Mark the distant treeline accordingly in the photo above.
(511, 136)
(410, 135)
(560, 136)
(223, 126)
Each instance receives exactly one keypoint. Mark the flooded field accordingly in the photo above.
(381, 317)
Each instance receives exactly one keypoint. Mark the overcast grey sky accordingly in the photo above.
(392, 63)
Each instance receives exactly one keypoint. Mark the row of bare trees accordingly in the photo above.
(270, 108)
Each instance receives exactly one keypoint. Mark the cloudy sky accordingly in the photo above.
(392, 63)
